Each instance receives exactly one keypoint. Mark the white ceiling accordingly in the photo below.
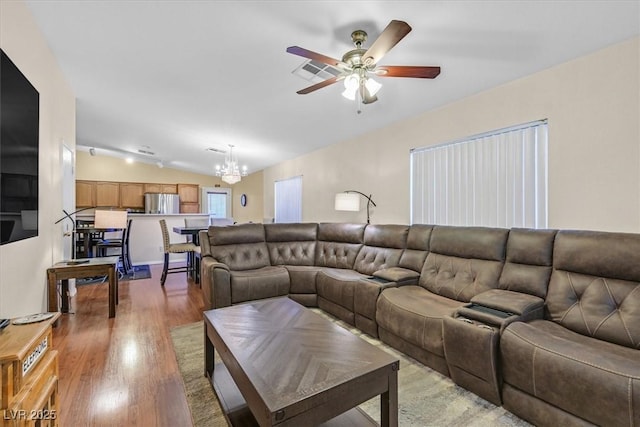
(177, 77)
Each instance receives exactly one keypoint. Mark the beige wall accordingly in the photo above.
(591, 103)
(107, 168)
(23, 264)
(251, 186)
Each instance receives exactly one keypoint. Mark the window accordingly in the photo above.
(288, 200)
(497, 179)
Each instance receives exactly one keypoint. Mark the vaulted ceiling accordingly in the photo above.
(175, 78)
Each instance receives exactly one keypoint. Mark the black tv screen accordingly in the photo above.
(19, 127)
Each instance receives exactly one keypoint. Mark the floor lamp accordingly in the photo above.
(350, 201)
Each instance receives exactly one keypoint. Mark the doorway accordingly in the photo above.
(216, 202)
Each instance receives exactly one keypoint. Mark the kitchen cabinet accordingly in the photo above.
(85, 194)
(189, 198)
(188, 193)
(108, 194)
(189, 207)
(131, 195)
(161, 188)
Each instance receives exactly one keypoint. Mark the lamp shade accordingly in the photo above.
(110, 219)
(347, 202)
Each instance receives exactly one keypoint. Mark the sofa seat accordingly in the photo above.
(303, 284)
(553, 365)
(273, 281)
(336, 288)
(410, 319)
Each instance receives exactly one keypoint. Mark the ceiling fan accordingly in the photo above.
(359, 65)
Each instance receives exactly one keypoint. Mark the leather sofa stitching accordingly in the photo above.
(564, 356)
(533, 370)
(630, 400)
(636, 345)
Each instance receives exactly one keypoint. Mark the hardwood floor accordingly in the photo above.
(122, 371)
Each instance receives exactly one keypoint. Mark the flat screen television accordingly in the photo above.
(19, 147)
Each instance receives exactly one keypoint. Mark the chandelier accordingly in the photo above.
(231, 172)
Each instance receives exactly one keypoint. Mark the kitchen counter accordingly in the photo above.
(145, 240)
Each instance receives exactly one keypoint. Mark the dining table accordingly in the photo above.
(84, 233)
(192, 231)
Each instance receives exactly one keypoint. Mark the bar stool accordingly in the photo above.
(174, 248)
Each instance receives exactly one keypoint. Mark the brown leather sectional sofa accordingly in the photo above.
(544, 322)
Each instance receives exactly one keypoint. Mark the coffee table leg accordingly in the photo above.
(208, 355)
(389, 402)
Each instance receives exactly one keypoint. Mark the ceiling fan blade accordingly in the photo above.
(297, 50)
(320, 85)
(395, 31)
(407, 71)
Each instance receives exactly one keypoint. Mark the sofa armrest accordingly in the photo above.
(499, 308)
(401, 276)
(215, 282)
(527, 307)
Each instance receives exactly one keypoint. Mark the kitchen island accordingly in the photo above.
(145, 240)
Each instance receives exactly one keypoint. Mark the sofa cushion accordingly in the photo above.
(464, 261)
(242, 256)
(417, 248)
(415, 315)
(469, 242)
(302, 278)
(527, 268)
(459, 278)
(607, 309)
(338, 244)
(386, 236)
(266, 282)
(595, 285)
(234, 234)
(291, 244)
(371, 259)
(337, 285)
(593, 379)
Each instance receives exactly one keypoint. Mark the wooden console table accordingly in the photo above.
(29, 375)
(79, 269)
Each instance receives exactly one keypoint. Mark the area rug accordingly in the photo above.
(426, 398)
(136, 273)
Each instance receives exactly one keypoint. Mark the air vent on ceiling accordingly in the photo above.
(147, 152)
(314, 71)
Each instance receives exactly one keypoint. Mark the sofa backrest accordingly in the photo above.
(338, 244)
(417, 248)
(464, 261)
(527, 267)
(291, 244)
(383, 246)
(241, 247)
(595, 285)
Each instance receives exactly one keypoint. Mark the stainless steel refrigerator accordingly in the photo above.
(161, 203)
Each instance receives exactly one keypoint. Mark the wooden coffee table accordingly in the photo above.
(285, 365)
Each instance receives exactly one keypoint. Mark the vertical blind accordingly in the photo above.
(288, 200)
(496, 179)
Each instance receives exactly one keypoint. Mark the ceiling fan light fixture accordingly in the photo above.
(372, 86)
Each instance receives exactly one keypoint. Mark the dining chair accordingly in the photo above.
(121, 244)
(175, 248)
